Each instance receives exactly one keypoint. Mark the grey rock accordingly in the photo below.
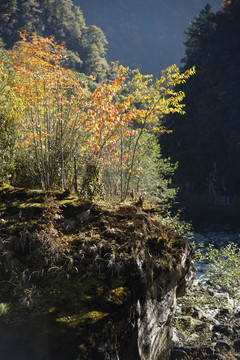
(219, 295)
(70, 224)
(193, 337)
(85, 216)
(177, 336)
(207, 350)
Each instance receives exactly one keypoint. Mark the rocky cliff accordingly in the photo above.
(84, 281)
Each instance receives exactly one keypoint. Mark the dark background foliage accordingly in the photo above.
(206, 141)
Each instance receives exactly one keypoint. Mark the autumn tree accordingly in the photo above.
(65, 128)
(122, 111)
(52, 109)
(149, 100)
(8, 116)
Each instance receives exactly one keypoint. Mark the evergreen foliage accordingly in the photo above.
(86, 45)
(206, 141)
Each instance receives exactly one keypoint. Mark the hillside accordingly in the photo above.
(86, 45)
(144, 35)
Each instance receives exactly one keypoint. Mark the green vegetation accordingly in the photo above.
(211, 300)
(3, 308)
(222, 272)
(86, 46)
(223, 268)
(7, 116)
(102, 142)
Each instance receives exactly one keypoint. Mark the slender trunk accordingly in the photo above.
(62, 158)
(133, 158)
(39, 164)
(121, 164)
(61, 147)
(75, 174)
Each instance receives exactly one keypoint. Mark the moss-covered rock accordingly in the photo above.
(103, 280)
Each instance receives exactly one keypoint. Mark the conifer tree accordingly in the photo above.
(86, 46)
(206, 141)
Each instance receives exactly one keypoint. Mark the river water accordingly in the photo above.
(220, 238)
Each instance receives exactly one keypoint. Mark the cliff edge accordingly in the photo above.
(84, 281)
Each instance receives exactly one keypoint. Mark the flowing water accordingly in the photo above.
(220, 238)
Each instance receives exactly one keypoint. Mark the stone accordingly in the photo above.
(220, 295)
(178, 354)
(222, 346)
(209, 316)
(222, 329)
(207, 350)
(237, 315)
(201, 327)
(218, 356)
(193, 312)
(223, 312)
(236, 345)
(192, 351)
(177, 336)
(193, 337)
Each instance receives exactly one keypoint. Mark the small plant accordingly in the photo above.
(223, 266)
(50, 236)
(175, 223)
(3, 308)
(213, 296)
(91, 181)
(222, 270)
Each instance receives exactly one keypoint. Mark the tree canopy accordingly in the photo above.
(68, 135)
(86, 46)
